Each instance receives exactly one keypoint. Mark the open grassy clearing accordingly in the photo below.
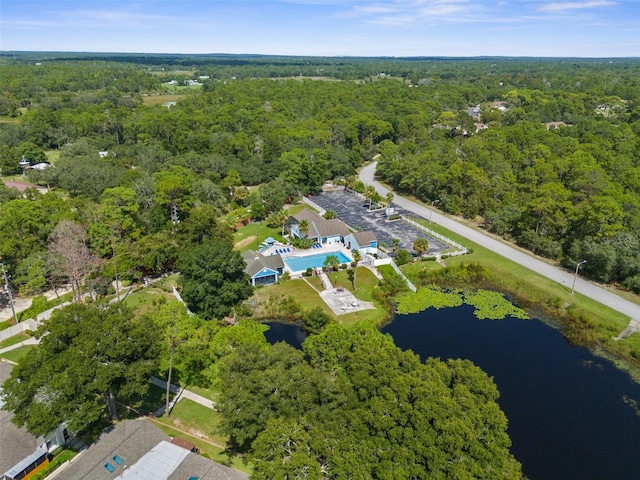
(152, 100)
(269, 301)
(148, 299)
(52, 155)
(8, 119)
(171, 73)
(251, 236)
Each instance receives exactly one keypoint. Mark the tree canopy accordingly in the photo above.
(213, 279)
(353, 405)
(89, 357)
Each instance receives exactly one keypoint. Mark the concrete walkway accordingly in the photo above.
(565, 279)
(341, 300)
(180, 393)
(28, 341)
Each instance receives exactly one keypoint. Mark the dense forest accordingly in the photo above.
(542, 152)
(151, 162)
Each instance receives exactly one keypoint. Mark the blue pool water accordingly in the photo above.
(300, 264)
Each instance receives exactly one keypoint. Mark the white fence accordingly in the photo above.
(387, 260)
(314, 205)
(17, 329)
(460, 250)
(29, 324)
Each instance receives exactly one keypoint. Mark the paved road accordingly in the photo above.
(562, 277)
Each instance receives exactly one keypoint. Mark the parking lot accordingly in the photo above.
(353, 210)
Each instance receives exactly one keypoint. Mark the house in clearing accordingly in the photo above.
(364, 242)
(321, 230)
(263, 269)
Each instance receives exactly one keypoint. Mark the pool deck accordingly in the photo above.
(340, 300)
(295, 252)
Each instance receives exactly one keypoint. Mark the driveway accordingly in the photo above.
(353, 210)
(565, 279)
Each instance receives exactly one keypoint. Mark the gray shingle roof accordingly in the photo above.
(131, 440)
(256, 262)
(320, 226)
(364, 238)
(15, 443)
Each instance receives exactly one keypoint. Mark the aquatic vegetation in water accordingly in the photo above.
(492, 305)
(430, 297)
(488, 304)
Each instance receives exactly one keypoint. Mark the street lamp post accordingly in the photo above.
(575, 275)
(432, 207)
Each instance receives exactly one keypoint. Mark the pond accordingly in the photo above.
(571, 414)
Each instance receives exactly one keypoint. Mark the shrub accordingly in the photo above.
(308, 272)
(38, 305)
(343, 266)
(403, 257)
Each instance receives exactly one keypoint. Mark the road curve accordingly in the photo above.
(565, 279)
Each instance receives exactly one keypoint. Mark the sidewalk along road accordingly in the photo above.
(565, 279)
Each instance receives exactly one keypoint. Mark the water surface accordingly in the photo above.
(568, 410)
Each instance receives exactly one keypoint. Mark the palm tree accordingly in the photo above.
(369, 192)
(389, 198)
(356, 259)
(395, 243)
(303, 226)
(281, 218)
(331, 262)
(421, 246)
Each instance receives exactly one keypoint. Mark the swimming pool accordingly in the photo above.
(300, 264)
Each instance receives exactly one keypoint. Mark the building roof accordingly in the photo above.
(146, 453)
(15, 443)
(364, 238)
(320, 226)
(181, 442)
(256, 262)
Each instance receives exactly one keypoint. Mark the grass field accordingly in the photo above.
(152, 100)
(52, 155)
(251, 236)
(147, 299)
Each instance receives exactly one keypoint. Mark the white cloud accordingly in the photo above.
(560, 6)
(410, 12)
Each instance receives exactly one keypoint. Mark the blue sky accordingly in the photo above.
(580, 28)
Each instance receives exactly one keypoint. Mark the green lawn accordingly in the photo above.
(147, 299)
(269, 299)
(21, 337)
(8, 119)
(17, 354)
(201, 425)
(251, 236)
(52, 155)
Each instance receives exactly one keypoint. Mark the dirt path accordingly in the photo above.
(247, 241)
(200, 436)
